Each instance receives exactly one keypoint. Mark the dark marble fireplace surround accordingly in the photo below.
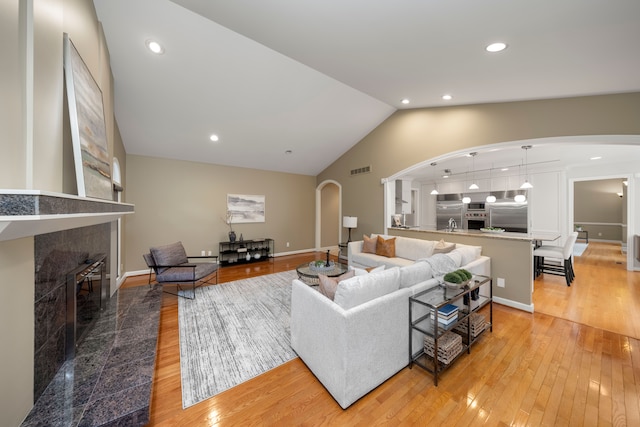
(55, 255)
(108, 382)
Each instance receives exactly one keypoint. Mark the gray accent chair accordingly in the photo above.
(171, 265)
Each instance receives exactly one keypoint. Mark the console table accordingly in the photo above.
(245, 251)
(586, 235)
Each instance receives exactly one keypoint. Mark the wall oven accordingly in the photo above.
(475, 220)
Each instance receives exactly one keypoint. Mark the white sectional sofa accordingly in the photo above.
(360, 339)
(407, 251)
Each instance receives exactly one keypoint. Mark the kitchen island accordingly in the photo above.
(511, 258)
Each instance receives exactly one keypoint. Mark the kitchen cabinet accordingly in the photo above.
(403, 196)
(547, 202)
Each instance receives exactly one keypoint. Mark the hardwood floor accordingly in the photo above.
(575, 361)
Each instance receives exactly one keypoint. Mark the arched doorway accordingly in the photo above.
(328, 214)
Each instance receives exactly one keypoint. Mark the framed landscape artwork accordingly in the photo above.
(245, 208)
(88, 129)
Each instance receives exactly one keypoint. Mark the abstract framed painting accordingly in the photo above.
(246, 208)
(88, 129)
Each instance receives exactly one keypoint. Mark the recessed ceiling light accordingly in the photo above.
(596, 158)
(447, 97)
(288, 152)
(504, 169)
(496, 47)
(214, 138)
(154, 47)
(405, 101)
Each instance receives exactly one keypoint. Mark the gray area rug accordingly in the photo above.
(579, 248)
(233, 332)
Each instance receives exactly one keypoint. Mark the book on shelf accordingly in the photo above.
(447, 322)
(448, 310)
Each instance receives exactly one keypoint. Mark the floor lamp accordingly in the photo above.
(350, 222)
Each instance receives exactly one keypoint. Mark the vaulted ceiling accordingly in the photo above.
(290, 85)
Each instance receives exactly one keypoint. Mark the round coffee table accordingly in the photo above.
(310, 276)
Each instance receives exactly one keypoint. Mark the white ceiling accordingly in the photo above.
(316, 77)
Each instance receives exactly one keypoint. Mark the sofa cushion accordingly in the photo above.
(369, 244)
(413, 249)
(362, 272)
(373, 260)
(469, 253)
(360, 289)
(443, 247)
(172, 254)
(328, 285)
(386, 247)
(415, 273)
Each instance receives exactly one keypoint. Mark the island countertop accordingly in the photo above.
(530, 237)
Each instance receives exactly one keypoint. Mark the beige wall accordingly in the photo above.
(12, 160)
(412, 136)
(16, 330)
(36, 115)
(511, 260)
(186, 201)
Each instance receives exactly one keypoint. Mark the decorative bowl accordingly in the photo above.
(492, 230)
(321, 267)
(257, 256)
(461, 285)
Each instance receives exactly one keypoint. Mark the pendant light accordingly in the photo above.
(526, 185)
(466, 199)
(473, 185)
(490, 198)
(434, 192)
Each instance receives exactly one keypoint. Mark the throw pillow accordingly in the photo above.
(443, 247)
(328, 285)
(369, 245)
(386, 248)
(469, 253)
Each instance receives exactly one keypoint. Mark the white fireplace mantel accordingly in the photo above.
(25, 213)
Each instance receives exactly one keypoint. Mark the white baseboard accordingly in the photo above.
(301, 251)
(514, 304)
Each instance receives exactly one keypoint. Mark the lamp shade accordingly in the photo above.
(350, 221)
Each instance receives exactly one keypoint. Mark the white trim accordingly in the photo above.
(514, 304)
(580, 140)
(631, 223)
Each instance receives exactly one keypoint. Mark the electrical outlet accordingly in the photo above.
(599, 234)
(287, 244)
(500, 282)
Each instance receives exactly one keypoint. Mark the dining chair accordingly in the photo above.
(564, 254)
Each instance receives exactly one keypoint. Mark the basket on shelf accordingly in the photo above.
(478, 323)
(449, 346)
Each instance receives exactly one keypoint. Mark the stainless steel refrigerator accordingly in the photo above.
(508, 214)
(449, 206)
